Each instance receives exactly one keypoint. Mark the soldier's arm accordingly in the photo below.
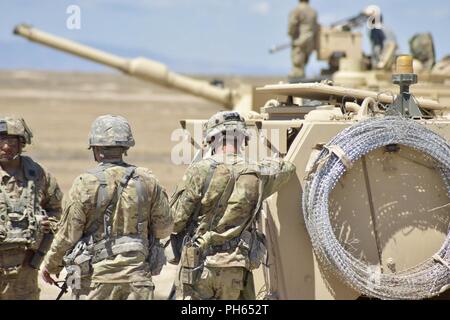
(187, 196)
(52, 203)
(72, 223)
(161, 219)
(275, 173)
(293, 25)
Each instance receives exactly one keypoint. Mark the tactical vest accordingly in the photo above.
(251, 241)
(18, 218)
(221, 206)
(96, 246)
(110, 246)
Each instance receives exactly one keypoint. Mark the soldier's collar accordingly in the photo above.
(18, 173)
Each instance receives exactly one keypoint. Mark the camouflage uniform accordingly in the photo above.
(120, 268)
(303, 29)
(226, 208)
(35, 188)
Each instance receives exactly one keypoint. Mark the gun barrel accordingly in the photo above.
(279, 47)
(142, 68)
(349, 22)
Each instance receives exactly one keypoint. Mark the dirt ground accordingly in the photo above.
(60, 107)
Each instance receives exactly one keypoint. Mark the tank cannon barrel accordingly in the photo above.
(145, 69)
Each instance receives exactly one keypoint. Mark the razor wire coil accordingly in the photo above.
(422, 281)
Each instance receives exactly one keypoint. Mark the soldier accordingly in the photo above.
(381, 37)
(111, 218)
(302, 29)
(216, 207)
(30, 206)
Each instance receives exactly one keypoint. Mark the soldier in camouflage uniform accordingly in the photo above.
(216, 206)
(303, 29)
(30, 206)
(113, 218)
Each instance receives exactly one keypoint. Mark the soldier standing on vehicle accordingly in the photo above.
(113, 218)
(216, 207)
(303, 29)
(380, 36)
(30, 206)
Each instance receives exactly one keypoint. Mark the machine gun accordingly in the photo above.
(349, 24)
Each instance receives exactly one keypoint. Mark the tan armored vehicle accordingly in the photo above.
(368, 212)
(353, 71)
(342, 48)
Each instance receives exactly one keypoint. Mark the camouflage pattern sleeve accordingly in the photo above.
(188, 194)
(52, 204)
(293, 24)
(275, 173)
(79, 200)
(161, 219)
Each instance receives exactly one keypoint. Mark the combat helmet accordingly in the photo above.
(225, 123)
(372, 10)
(111, 131)
(15, 126)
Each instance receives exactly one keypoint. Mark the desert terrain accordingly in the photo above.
(60, 107)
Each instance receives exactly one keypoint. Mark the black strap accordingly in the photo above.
(62, 287)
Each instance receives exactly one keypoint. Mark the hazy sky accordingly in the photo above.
(206, 36)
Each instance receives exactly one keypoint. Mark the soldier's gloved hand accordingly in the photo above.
(202, 241)
(44, 223)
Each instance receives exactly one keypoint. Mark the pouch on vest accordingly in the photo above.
(18, 224)
(191, 264)
(79, 259)
(254, 243)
